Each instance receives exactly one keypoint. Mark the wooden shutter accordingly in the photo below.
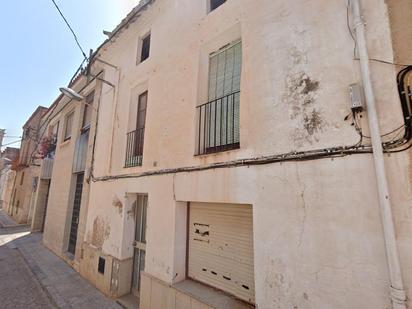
(221, 248)
(225, 69)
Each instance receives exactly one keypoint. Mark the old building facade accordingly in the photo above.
(8, 160)
(61, 199)
(219, 156)
(27, 170)
(209, 166)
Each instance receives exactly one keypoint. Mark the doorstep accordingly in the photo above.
(128, 301)
(210, 296)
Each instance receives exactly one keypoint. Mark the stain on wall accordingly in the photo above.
(131, 213)
(101, 232)
(301, 93)
(118, 204)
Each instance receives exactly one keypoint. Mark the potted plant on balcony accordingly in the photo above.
(47, 147)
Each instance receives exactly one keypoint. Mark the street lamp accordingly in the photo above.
(70, 93)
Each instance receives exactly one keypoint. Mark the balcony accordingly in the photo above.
(134, 148)
(46, 168)
(218, 125)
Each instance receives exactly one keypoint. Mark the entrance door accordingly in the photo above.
(76, 213)
(45, 206)
(139, 243)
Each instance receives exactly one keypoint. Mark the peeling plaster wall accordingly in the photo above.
(318, 236)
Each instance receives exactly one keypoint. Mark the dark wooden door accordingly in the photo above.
(76, 213)
(45, 207)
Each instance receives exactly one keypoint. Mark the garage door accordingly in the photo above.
(221, 248)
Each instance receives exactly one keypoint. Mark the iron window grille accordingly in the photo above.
(219, 119)
(135, 139)
(218, 124)
(134, 148)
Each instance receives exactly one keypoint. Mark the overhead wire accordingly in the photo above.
(11, 143)
(70, 28)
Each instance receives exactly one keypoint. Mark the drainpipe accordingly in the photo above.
(397, 292)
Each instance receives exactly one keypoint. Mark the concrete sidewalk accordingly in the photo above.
(64, 287)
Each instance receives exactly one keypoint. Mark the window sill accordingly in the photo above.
(65, 142)
(210, 296)
(217, 151)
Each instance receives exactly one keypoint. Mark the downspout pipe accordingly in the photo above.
(397, 292)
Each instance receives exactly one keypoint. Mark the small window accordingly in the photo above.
(214, 4)
(68, 126)
(53, 132)
(101, 265)
(22, 179)
(87, 115)
(145, 52)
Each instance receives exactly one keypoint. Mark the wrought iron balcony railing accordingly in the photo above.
(218, 125)
(134, 148)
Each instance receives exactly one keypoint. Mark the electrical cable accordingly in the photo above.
(71, 29)
(334, 152)
(11, 143)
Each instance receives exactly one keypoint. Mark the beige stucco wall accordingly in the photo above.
(24, 192)
(60, 202)
(317, 231)
(29, 165)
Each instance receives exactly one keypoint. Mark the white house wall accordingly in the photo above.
(317, 230)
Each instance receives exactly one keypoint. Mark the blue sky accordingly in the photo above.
(38, 53)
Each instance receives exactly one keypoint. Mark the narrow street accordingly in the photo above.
(33, 277)
(18, 286)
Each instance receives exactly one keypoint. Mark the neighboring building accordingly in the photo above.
(8, 158)
(228, 161)
(61, 199)
(27, 170)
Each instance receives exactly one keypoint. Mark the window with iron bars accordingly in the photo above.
(219, 119)
(135, 139)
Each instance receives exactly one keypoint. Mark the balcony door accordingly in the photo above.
(135, 139)
(139, 245)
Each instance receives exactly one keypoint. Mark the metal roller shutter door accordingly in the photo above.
(221, 248)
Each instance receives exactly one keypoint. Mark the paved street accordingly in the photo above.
(31, 276)
(18, 287)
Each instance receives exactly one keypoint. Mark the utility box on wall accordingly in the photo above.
(356, 97)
